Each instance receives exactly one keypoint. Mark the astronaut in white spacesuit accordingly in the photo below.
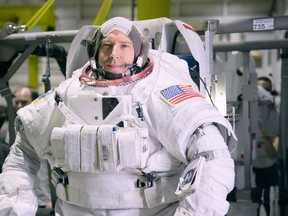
(128, 134)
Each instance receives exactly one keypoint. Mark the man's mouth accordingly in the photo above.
(116, 67)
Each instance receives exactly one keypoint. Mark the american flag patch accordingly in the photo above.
(178, 93)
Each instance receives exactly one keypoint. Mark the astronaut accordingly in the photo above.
(128, 134)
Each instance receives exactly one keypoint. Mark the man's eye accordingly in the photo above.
(106, 45)
(125, 45)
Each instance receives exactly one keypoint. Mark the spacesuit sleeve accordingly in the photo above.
(214, 178)
(178, 134)
(34, 124)
(17, 196)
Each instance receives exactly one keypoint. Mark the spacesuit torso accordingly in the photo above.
(99, 175)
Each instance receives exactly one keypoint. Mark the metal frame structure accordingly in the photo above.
(249, 81)
(24, 43)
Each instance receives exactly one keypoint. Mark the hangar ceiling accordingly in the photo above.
(79, 12)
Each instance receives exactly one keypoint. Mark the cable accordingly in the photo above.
(55, 51)
(194, 71)
(174, 42)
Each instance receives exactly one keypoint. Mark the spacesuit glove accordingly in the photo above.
(17, 196)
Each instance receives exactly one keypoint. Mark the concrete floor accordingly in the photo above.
(242, 208)
(245, 207)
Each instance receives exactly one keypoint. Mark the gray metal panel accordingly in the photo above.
(246, 25)
(251, 45)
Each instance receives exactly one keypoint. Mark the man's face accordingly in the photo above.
(115, 51)
(22, 98)
(266, 85)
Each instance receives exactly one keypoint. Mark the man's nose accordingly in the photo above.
(115, 52)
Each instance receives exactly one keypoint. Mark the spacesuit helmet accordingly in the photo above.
(140, 45)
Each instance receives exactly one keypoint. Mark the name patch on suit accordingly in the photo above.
(44, 96)
(176, 94)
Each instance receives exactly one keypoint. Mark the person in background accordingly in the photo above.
(128, 134)
(266, 83)
(23, 97)
(264, 164)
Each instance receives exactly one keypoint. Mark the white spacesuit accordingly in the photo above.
(142, 144)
